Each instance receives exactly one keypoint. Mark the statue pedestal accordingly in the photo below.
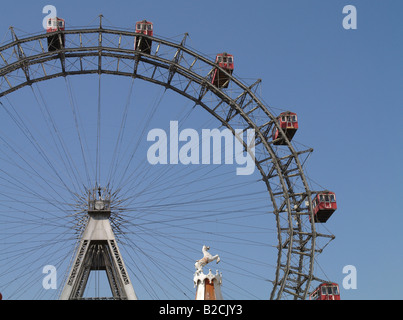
(208, 286)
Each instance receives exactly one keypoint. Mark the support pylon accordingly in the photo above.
(98, 250)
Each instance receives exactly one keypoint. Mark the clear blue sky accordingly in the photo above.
(345, 85)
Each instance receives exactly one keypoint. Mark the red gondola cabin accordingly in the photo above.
(289, 123)
(55, 41)
(143, 44)
(326, 291)
(324, 204)
(226, 62)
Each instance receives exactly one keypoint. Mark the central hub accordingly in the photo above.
(99, 202)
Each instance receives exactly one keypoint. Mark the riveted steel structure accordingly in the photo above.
(173, 65)
(98, 250)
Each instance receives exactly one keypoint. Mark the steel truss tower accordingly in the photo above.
(98, 250)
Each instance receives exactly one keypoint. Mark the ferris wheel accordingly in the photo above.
(76, 105)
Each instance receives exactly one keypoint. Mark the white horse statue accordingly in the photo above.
(207, 258)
